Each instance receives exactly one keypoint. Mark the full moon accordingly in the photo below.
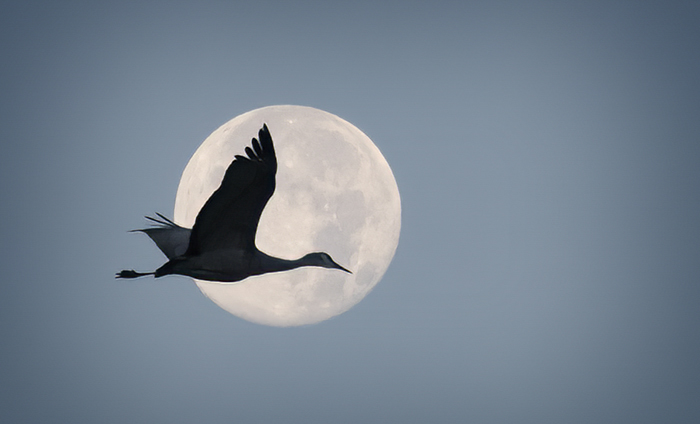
(335, 193)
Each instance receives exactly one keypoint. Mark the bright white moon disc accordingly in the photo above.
(335, 194)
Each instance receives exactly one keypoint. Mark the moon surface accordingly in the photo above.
(335, 193)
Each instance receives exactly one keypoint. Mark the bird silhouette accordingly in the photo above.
(221, 244)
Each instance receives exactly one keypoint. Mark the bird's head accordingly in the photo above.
(324, 260)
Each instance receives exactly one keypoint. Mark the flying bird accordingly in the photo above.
(221, 244)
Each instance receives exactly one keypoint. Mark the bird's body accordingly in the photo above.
(221, 245)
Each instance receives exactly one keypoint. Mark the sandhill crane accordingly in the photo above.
(221, 245)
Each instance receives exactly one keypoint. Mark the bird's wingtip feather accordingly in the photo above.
(251, 154)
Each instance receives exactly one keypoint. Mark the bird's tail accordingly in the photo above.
(170, 238)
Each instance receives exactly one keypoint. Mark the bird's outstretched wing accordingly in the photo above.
(229, 219)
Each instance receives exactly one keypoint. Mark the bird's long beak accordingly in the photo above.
(338, 266)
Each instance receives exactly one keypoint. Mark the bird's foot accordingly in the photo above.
(130, 273)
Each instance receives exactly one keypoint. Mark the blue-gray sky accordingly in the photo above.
(548, 158)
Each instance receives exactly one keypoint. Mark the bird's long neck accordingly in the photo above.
(269, 263)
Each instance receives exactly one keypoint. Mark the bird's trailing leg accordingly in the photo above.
(130, 273)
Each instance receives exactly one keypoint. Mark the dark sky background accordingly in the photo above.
(548, 158)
